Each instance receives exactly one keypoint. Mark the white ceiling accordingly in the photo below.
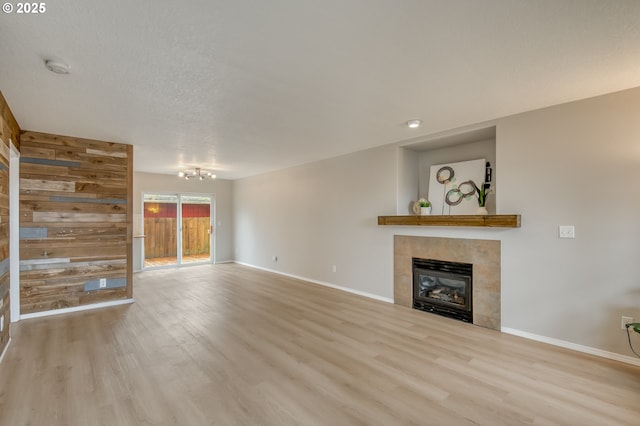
(247, 86)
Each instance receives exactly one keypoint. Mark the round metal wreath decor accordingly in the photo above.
(459, 193)
(439, 175)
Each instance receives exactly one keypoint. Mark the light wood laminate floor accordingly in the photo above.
(229, 345)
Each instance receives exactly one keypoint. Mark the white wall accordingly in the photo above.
(571, 164)
(219, 188)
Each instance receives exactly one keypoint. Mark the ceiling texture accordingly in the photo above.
(243, 87)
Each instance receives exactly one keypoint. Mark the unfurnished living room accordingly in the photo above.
(295, 212)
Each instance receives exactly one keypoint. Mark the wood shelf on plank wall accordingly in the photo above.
(491, 221)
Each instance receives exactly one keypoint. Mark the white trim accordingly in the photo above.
(573, 346)
(14, 232)
(227, 261)
(45, 261)
(5, 350)
(213, 226)
(179, 230)
(77, 308)
(322, 283)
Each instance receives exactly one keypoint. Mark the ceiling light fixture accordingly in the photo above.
(197, 174)
(414, 124)
(57, 67)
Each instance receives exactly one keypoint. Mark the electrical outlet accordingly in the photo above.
(103, 283)
(624, 321)
(567, 231)
(274, 258)
(334, 268)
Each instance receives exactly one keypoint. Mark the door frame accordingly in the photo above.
(14, 231)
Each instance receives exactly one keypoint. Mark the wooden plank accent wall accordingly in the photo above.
(9, 130)
(75, 221)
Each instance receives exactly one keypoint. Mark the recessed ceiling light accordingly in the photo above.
(414, 124)
(57, 67)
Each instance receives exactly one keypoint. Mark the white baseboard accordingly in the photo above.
(224, 261)
(5, 350)
(77, 308)
(322, 283)
(573, 346)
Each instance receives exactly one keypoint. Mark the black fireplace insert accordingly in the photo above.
(443, 288)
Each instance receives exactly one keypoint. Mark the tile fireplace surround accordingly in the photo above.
(484, 255)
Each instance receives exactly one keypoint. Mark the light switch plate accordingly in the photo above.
(567, 231)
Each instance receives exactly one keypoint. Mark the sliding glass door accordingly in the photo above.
(178, 229)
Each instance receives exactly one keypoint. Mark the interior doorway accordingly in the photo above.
(178, 229)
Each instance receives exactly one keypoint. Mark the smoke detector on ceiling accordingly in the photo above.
(57, 67)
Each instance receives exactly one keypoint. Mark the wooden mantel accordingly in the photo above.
(492, 221)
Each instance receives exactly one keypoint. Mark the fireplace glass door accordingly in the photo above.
(443, 288)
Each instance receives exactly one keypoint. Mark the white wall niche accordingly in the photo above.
(415, 160)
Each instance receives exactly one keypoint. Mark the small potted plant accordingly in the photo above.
(425, 207)
(482, 193)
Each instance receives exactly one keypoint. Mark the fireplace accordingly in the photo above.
(484, 255)
(444, 288)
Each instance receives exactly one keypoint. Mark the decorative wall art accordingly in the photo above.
(452, 187)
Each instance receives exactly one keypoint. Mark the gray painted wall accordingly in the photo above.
(219, 188)
(573, 164)
(319, 215)
(408, 184)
